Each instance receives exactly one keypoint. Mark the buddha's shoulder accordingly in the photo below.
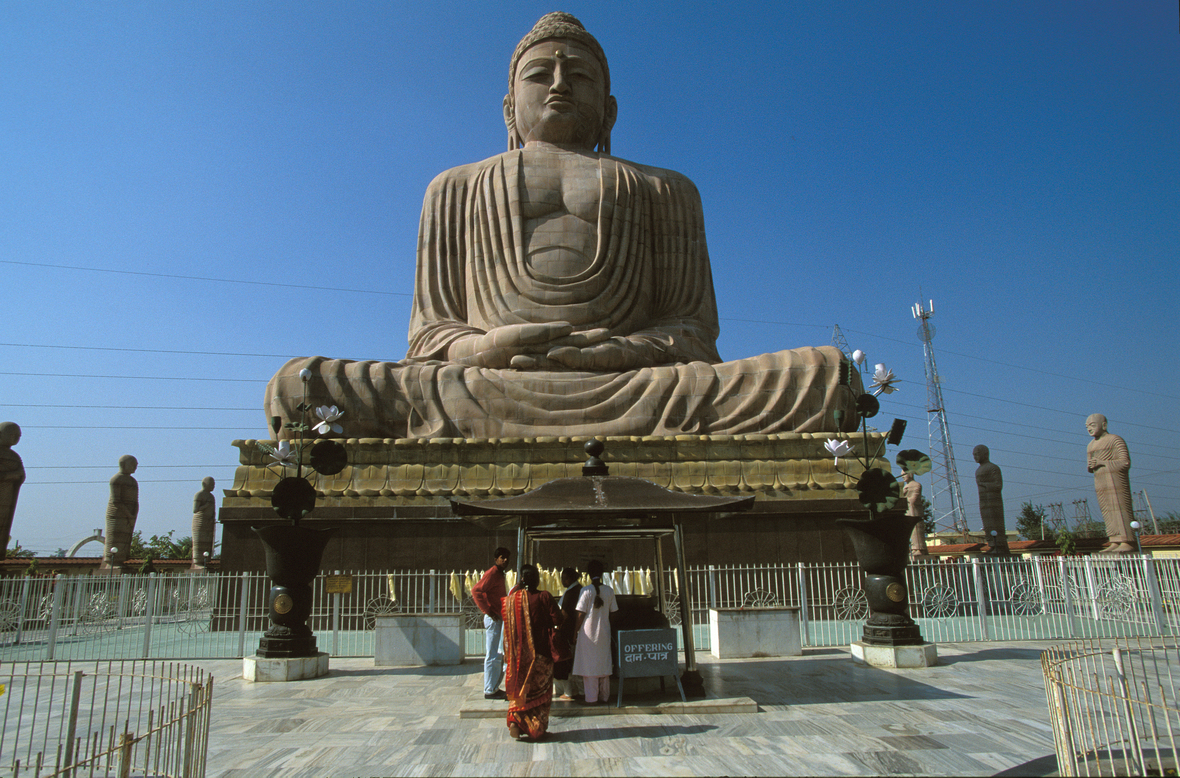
(465, 174)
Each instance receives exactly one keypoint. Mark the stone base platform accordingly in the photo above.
(476, 707)
(390, 503)
(923, 655)
(258, 669)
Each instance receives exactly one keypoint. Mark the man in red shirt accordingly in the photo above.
(489, 596)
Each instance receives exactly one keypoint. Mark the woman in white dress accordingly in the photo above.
(592, 659)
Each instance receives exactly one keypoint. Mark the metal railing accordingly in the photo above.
(1114, 706)
(104, 718)
(222, 615)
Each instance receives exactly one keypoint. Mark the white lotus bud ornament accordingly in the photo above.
(858, 357)
(838, 448)
(883, 380)
(328, 416)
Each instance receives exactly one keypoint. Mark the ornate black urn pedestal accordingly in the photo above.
(287, 650)
(293, 557)
(890, 637)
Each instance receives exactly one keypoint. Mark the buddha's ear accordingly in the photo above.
(510, 123)
(608, 122)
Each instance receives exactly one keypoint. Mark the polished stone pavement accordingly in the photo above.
(981, 711)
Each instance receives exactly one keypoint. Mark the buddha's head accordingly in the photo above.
(981, 454)
(559, 88)
(9, 433)
(127, 464)
(1096, 424)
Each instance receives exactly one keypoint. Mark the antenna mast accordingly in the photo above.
(944, 476)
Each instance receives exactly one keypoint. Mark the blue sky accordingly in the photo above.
(194, 192)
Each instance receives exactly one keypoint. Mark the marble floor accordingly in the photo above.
(981, 711)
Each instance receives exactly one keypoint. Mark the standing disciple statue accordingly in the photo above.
(561, 290)
(912, 491)
(122, 510)
(1110, 462)
(12, 475)
(991, 500)
(204, 523)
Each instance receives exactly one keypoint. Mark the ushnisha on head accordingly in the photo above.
(127, 464)
(1096, 424)
(559, 88)
(9, 433)
(981, 453)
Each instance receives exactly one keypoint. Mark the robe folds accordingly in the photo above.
(648, 281)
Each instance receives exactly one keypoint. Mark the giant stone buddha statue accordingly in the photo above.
(564, 291)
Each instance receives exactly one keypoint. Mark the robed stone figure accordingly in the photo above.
(1110, 462)
(12, 475)
(561, 290)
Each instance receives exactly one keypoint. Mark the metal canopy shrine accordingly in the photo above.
(603, 507)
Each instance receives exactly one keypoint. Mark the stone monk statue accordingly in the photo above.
(990, 482)
(562, 291)
(12, 475)
(1110, 462)
(204, 523)
(122, 511)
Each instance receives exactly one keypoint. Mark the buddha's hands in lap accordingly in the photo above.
(524, 346)
(613, 355)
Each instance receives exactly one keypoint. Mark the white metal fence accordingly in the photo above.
(104, 718)
(1114, 706)
(218, 616)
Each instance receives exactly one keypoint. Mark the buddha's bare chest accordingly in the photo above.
(562, 199)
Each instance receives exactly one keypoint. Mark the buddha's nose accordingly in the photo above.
(559, 82)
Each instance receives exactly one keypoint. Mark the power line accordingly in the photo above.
(126, 407)
(316, 287)
(148, 350)
(141, 377)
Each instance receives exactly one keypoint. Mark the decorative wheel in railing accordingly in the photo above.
(1116, 598)
(9, 616)
(939, 601)
(378, 606)
(472, 616)
(760, 598)
(672, 610)
(850, 604)
(98, 613)
(195, 599)
(1026, 599)
(196, 621)
(45, 608)
(139, 602)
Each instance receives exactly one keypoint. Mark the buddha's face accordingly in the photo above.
(1095, 424)
(559, 95)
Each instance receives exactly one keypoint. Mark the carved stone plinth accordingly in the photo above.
(920, 655)
(257, 669)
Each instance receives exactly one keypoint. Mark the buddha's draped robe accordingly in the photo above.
(1112, 484)
(648, 281)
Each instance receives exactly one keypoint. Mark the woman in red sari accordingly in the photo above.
(530, 616)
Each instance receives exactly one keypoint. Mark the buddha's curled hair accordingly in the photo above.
(594, 570)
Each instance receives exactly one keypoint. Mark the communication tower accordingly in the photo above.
(946, 498)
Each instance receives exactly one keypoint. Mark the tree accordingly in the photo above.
(1169, 523)
(1030, 523)
(17, 551)
(159, 546)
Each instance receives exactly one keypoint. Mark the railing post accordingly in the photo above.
(804, 620)
(712, 586)
(1153, 592)
(980, 596)
(336, 600)
(77, 610)
(59, 596)
(1067, 596)
(148, 612)
(430, 587)
(1132, 727)
(1040, 576)
(126, 744)
(242, 601)
(122, 603)
(72, 725)
(20, 616)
